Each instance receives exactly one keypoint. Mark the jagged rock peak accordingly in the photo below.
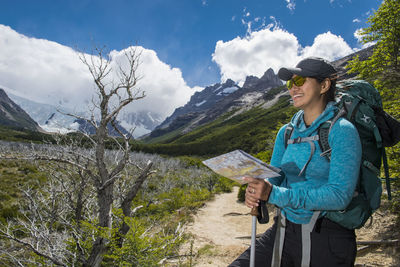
(229, 83)
(250, 81)
(268, 75)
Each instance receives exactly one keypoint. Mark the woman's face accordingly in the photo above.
(307, 95)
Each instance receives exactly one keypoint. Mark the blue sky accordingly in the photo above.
(182, 32)
(194, 42)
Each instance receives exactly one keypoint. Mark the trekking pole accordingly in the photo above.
(254, 214)
(387, 176)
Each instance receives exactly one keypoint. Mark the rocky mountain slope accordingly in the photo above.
(216, 100)
(14, 116)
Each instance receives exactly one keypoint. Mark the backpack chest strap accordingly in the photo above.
(303, 139)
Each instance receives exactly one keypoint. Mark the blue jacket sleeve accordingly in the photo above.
(344, 169)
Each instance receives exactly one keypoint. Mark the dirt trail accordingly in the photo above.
(222, 229)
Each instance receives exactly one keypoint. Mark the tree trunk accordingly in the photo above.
(96, 255)
(105, 200)
(127, 202)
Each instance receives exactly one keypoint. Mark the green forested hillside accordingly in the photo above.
(18, 134)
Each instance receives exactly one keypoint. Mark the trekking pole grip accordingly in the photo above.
(254, 211)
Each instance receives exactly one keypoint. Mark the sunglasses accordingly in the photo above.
(298, 81)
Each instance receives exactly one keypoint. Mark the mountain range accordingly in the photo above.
(52, 118)
(203, 107)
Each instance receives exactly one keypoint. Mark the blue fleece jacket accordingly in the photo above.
(324, 185)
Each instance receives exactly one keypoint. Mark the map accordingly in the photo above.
(237, 164)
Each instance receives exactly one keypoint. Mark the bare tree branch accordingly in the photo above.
(35, 250)
(127, 201)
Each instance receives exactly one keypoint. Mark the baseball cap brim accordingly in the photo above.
(287, 73)
(308, 67)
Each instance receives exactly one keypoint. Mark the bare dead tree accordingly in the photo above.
(94, 168)
(113, 97)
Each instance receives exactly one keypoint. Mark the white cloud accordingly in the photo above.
(48, 72)
(358, 36)
(356, 20)
(254, 54)
(42, 70)
(328, 46)
(254, 24)
(164, 86)
(272, 47)
(291, 5)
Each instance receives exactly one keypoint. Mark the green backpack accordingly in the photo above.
(359, 102)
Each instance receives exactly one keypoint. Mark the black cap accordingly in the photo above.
(309, 67)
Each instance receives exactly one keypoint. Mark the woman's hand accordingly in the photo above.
(257, 189)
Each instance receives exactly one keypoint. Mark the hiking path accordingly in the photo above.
(221, 231)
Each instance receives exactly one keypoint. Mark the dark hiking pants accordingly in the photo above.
(331, 245)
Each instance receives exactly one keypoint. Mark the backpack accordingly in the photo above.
(360, 103)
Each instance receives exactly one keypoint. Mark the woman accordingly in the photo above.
(310, 184)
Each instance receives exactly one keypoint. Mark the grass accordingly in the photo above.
(15, 134)
(15, 175)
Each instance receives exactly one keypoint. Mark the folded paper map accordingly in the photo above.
(237, 164)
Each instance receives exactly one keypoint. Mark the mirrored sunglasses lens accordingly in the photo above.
(289, 84)
(299, 81)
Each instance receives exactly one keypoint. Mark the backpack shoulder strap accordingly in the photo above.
(323, 131)
(288, 134)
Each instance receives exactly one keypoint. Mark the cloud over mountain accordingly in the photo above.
(253, 54)
(164, 86)
(48, 72)
(272, 47)
(327, 45)
(42, 70)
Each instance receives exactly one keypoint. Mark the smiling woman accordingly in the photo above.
(309, 185)
(310, 93)
(309, 97)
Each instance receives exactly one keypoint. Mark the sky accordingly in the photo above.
(185, 45)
